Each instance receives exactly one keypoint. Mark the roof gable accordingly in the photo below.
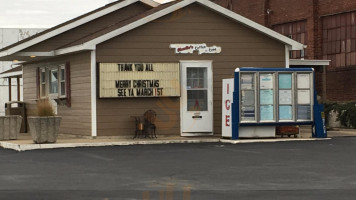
(160, 11)
(90, 42)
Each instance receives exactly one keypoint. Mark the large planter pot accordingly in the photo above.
(10, 126)
(44, 129)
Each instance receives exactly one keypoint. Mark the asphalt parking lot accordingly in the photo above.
(283, 170)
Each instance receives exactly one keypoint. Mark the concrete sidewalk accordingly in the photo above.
(305, 132)
(24, 141)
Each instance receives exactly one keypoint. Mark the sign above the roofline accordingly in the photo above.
(191, 48)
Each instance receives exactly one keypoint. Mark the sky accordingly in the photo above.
(44, 13)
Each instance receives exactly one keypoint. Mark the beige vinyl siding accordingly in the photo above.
(76, 119)
(241, 47)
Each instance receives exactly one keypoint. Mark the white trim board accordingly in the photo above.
(309, 62)
(22, 53)
(93, 93)
(151, 3)
(10, 74)
(74, 24)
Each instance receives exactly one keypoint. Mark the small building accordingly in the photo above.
(131, 56)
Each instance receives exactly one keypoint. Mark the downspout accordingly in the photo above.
(287, 49)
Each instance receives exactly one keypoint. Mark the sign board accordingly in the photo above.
(191, 48)
(227, 97)
(121, 80)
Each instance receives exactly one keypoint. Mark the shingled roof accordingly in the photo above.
(71, 24)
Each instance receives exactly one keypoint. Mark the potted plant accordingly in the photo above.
(10, 126)
(44, 127)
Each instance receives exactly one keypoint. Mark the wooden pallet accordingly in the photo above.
(287, 130)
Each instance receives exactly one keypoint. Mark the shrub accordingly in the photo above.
(44, 108)
(346, 113)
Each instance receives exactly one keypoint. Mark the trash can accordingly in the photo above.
(17, 108)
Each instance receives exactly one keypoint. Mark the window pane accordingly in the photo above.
(63, 88)
(304, 112)
(192, 72)
(247, 81)
(43, 77)
(62, 75)
(248, 98)
(266, 112)
(266, 81)
(197, 100)
(43, 90)
(266, 97)
(285, 97)
(53, 81)
(247, 113)
(196, 77)
(303, 81)
(303, 96)
(285, 113)
(285, 81)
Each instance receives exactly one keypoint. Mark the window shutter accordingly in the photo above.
(68, 90)
(38, 84)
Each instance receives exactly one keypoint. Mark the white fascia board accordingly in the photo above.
(295, 45)
(67, 27)
(74, 49)
(10, 74)
(309, 62)
(150, 3)
(139, 22)
(50, 53)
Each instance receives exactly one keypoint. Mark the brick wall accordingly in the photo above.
(253, 10)
(322, 41)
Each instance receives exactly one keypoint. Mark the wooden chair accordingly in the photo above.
(149, 125)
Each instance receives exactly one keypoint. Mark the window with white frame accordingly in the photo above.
(53, 81)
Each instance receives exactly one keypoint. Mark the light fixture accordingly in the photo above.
(33, 56)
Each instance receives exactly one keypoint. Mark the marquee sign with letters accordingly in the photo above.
(120, 80)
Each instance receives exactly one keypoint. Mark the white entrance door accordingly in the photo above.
(197, 98)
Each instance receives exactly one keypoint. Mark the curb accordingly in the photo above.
(27, 147)
(271, 140)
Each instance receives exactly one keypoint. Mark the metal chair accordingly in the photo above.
(139, 126)
(149, 125)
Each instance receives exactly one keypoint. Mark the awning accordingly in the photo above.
(12, 73)
(301, 62)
